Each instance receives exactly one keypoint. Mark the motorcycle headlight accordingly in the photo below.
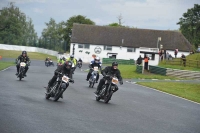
(63, 85)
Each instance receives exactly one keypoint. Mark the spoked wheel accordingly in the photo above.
(107, 98)
(47, 96)
(92, 85)
(57, 95)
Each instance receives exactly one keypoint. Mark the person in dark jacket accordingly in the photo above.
(107, 72)
(139, 60)
(183, 59)
(23, 58)
(65, 69)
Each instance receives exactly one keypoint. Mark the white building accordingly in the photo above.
(124, 43)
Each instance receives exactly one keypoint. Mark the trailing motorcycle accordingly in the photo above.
(108, 89)
(93, 77)
(49, 63)
(21, 70)
(58, 87)
(79, 64)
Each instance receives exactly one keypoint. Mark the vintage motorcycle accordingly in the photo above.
(58, 87)
(108, 89)
(49, 63)
(79, 64)
(21, 70)
(93, 77)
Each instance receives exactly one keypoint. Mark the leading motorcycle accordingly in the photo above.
(58, 87)
(108, 89)
(21, 70)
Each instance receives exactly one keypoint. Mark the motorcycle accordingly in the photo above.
(93, 77)
(49, 63)
(58, 87)
(79, 64)
(46, 63)
(108, 89)
(21, 70)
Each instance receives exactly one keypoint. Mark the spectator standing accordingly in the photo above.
(175, 52)
(146, 61)
(139, 60)
(183, 59)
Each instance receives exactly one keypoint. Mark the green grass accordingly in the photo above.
(176, 63)
(129, 72)
(189, 91)
(32, 55)
(4, 65)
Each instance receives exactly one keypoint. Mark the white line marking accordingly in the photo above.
(5, 69)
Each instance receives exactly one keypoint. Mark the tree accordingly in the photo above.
(69, 24)
(14, 27)
(52, 36)
(190, 25)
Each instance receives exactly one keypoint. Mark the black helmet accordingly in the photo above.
(24, 52)
(72, 56)
(63, 58)
(115, 64)
(68, 65)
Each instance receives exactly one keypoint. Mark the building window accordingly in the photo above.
(85, 46)
(130, 49)
(108, 48)
(80, 46)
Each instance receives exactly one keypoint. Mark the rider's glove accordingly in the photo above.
(71, 80)
(121, 82)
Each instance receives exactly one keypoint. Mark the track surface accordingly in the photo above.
(24, 109)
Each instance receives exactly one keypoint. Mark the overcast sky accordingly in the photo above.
(145, 14)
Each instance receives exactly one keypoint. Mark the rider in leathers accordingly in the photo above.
(108, 72)
(23, 58)
(65, 69)
(95, 63)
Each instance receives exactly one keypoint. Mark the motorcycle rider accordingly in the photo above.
(73, 60)
(22, 58)
(80, 60)
(94, 63)
(65, 69)
(107, 72)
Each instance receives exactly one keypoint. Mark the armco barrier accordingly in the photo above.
(29, 49)
(157, 70)
(175, 72)
(139, 69)
(120, 61)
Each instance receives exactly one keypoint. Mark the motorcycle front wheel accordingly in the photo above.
(107, 98)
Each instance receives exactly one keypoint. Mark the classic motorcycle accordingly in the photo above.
(108, 89)
(58, 87)
(93, 77)
(79, 64)
(49, 63)
(21, 70)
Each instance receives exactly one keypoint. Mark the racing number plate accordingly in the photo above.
(95, 68)
(65, 79)
(22, 64)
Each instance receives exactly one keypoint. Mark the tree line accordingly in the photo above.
(18, 29)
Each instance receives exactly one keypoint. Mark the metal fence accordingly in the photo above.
(180, 62)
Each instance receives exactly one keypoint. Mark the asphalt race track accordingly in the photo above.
(133, 109)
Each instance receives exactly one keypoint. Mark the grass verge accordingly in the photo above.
(129, 72)
(4, 65)
(188, 91)
(32, 55)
